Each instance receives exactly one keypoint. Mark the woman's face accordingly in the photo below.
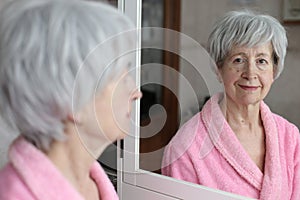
(247, 74)
(113, 106)
(107, 117)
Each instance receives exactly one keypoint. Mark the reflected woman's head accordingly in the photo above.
(248, 29)
(48, 46)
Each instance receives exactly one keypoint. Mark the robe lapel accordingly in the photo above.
(39, 174)
(271, 187)
(106, 189)
(226, 142)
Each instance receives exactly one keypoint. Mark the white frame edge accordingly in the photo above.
(140, 184)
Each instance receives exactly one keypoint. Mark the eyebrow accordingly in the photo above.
(244, 54)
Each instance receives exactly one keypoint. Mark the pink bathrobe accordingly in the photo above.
(31, 175)
(206, 151)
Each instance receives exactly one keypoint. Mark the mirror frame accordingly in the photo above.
(138, 183)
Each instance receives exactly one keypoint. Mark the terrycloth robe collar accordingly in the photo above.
(226, 142)
(44, 180)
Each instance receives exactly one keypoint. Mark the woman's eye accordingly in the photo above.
(238, 60)
(262, 61)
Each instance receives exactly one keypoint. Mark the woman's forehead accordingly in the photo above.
(261, 49)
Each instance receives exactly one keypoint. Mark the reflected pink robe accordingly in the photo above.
(31, 175)
(206, 151)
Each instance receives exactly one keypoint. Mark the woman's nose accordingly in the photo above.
(250, 71)
(136, 94)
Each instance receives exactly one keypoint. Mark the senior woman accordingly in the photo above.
(236, 143)
(64, 86)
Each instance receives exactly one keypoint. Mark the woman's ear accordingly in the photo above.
(74, 118)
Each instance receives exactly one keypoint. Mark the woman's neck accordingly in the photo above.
(246, 123)
(74, 161)
(240, 115)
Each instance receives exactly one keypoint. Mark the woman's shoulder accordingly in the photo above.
(284, 124)
(7, 175)
(288, 132)
(188, 138)
(11, 185)
(188, 130)
(195, 129)
(184, 142)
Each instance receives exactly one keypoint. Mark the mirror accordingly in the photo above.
(164, 110)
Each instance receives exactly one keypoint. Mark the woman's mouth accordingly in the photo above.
(249, 88)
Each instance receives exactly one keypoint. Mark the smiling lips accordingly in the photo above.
(249, 88)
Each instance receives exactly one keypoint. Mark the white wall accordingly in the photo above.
(198, 17)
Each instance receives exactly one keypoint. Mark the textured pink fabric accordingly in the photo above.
(206, 151)
(31, 175)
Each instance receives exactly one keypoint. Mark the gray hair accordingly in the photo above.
(45, 51)
(238, 28)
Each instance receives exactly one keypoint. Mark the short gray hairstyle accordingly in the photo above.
(43, 45)
(239, 28)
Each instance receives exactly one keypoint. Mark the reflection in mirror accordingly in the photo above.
(158, 101)
(165, 76)
(251, 157)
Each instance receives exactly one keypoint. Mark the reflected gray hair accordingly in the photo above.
(43, 45)
(239, 28)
